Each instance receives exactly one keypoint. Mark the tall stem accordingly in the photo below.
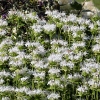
(97, 95)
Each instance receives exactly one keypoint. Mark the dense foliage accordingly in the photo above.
(57, 58)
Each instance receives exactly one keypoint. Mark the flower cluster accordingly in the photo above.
(54, 59)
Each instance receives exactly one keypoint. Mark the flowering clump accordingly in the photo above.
(54, 59)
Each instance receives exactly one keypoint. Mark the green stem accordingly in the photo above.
(64, 95)
(87, 96)
(59, 34)
(97, 95)
(32, 83)
(90, 40)
(16, 80)
(93, 95)
(32, 80)
(98, 58)
(69, 38)
(80, 97)
(0, 96)
(54, 89)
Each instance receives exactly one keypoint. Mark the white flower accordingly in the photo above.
(70, 76)
(53, 96)
(41, 22)
(36, 44)
(23, 70)
(4, 73)
(62, 42)
(71, 57)
(64, 19)
(14, 49)
(38, 91)
(24, 78)
(59, 42)
(65, 28)
(93, 83)
(4, 58)
(96, 48)
(7, 41)
(22, 90)
(70, 64)
(28, 56)
(37, 28)
(11, 12)
(6, 89)
(91, 65)
(28, 44)
(82, 89)
(81, 20)
(74, 34)
(54, 71)
(40, 64)
(14, 30)
(63, 14)
(35, 92)
(31, 16)
(97, 39)
(63, 63)
(2, 32)
(54, 82)
(21, 14)
(96, 76)
(77, 57)
(39, 74)
(15, 63)
(91, 26)
(20, 43)
(54, 41)
(85, 69)
(67, 52)
(74, 28)
(5, 98)
(49, 27)
(78, 44)
(40, 50)
(72, 17)
(1, 81)
(3, 22)
(98, 23)
(55, 12)
(48, 12)
(33, 62)
(55, 57)
(82, 28)
(20, 56)
(87, 21)
(75, 76)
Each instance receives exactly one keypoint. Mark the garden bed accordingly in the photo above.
(53, 59)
